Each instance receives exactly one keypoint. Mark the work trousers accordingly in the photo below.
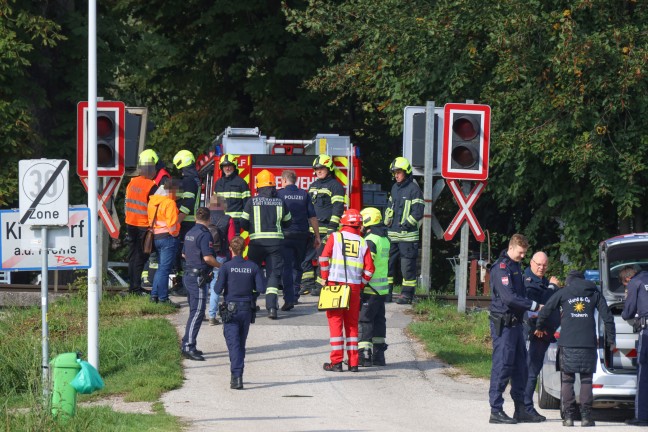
(166, 249)
(537, 349)
(343, 328)
(373, 328)
(260, 251)
(236, 332)
(179, 262)
(406, 253)
(641, 398)
(509, 364)
(568, 397)
(293, 252)
(136, 256)
(197, 299)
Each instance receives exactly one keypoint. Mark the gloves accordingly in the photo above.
(405, 226)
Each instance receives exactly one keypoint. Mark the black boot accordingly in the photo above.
(523, 416)
(586, 418)
(389, 297)
(568, 419)
(333, 367)
(379, 354)
(500, 417)
(366, 357)
(236, 383)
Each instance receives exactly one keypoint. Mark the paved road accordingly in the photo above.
(287, 390)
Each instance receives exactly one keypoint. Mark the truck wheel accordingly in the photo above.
(545, 400)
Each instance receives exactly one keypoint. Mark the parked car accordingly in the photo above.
(615, 380)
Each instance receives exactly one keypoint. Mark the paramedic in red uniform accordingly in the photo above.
(346, 259)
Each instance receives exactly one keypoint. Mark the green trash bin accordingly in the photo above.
(64, 368)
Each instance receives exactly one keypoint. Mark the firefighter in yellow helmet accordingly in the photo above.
(232, 188)
(150, 157)
(402, 216)
(188, 202)
(327, 195)
(264, 216)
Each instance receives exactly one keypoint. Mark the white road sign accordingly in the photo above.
(43, 191)
(68, 246)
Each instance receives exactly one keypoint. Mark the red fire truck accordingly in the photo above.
(256, 152)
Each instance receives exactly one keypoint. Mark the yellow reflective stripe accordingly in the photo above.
(320, 281)
(266, 235)
(335, 219)
(365, 345)
(390, 280)
(184, 210)
(272, 290)
(338, 173)
(418, 201)
(308, 275)
(412, 221)
(256, 214)
(238, 195)
(406, 210)
(409, 283)
(189, 195)
(337, 198)
(244, 215)
(279, 218)
(246, 194)
(287, 217)
(349, 263)
(237, 214)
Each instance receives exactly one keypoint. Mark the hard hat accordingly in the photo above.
(265, 178)
(148, 157)
(351, 217)
(227, 159)
(401, 163)
(370, 216)
(183, 158)
(323, 161)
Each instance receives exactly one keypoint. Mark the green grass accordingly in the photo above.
(461, 340)
(139, 359)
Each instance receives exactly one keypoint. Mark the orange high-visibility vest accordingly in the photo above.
(137, 196)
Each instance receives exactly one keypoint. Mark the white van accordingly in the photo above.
(614, 383)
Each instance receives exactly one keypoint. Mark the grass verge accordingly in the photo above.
(461, 340)
(139, 359)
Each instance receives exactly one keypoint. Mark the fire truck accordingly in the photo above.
(256, 152)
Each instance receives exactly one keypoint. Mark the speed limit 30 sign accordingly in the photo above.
(43, 197)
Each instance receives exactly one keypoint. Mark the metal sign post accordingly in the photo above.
(44, 308)
(426, 245)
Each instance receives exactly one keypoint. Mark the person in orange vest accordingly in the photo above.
(163, 216)
(138, 191)
(346, 259)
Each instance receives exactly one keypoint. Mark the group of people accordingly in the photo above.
(525, 311)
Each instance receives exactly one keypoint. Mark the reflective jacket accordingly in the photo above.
(348, 246)
(235, 191)
(404, 211)
(327, 196)
(162, 175)
(189, 199)
(265, 215)
(378, 245)
(137, 197)
(166, 218)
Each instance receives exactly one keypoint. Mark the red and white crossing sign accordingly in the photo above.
(110, 219)
(465, 204)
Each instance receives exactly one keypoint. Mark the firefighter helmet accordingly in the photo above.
(351, 217)
(370, 216)
(228, 159)
(265, 178)
(148, 157)
(183, 158)
(401, 163)
(323, 161)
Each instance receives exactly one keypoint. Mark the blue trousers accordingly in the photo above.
(236, 332)
(293, 252)
(537, 349)
(509, 363)
(213, 297)
(197, 299)
(641, 399)
(166, 249)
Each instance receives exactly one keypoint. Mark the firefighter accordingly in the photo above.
(138, 191)
(188, 202)
(200, 257)
(233, 188)
(373, 329)
(264, 216)
(296, 236)
(327, 195)
(346, 259)
(239, 282)
(163, 216)
(636, 306)
(402, 216)
(149, 156)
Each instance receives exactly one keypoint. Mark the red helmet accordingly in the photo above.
(351, 217)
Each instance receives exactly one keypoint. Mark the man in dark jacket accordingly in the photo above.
(539, 289)
(232, 188)
(578, 340)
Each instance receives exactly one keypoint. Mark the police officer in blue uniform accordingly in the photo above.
(296, 236)
(636, 307)
(239, 281)
(539, 289)
(199, 258)
(508, 306)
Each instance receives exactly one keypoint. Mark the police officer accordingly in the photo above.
(373, 327)
(187, 204)
(239, 282)
(327, 195)
(296, 236)
(507, 309)
(539, 289)
(636, 306)
(233, 189)
(402, 216)
(138, 191)
(264, 217)
(200, 258)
